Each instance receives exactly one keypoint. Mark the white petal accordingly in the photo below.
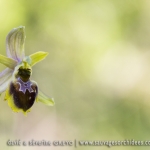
(15, 43)
(5, 79)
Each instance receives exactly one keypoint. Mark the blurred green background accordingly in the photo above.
(97, 70)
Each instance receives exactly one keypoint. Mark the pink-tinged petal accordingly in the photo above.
(5, 79)
(15, 43)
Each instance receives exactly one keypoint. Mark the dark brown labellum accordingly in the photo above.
(23, 93)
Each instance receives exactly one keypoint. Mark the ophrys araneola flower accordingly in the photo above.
(21, 92)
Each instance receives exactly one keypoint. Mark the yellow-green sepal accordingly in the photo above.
(36, 57)
(9, 62)
(45, 99)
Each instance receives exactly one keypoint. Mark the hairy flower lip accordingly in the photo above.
(16, 58)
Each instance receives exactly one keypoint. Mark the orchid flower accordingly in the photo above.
(20, 91)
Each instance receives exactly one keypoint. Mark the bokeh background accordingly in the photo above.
(97, 70)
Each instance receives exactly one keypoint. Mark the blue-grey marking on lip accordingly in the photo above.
(25, 86)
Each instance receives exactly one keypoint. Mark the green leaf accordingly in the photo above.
(45, 99)
(9, 62)
(36, 57)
